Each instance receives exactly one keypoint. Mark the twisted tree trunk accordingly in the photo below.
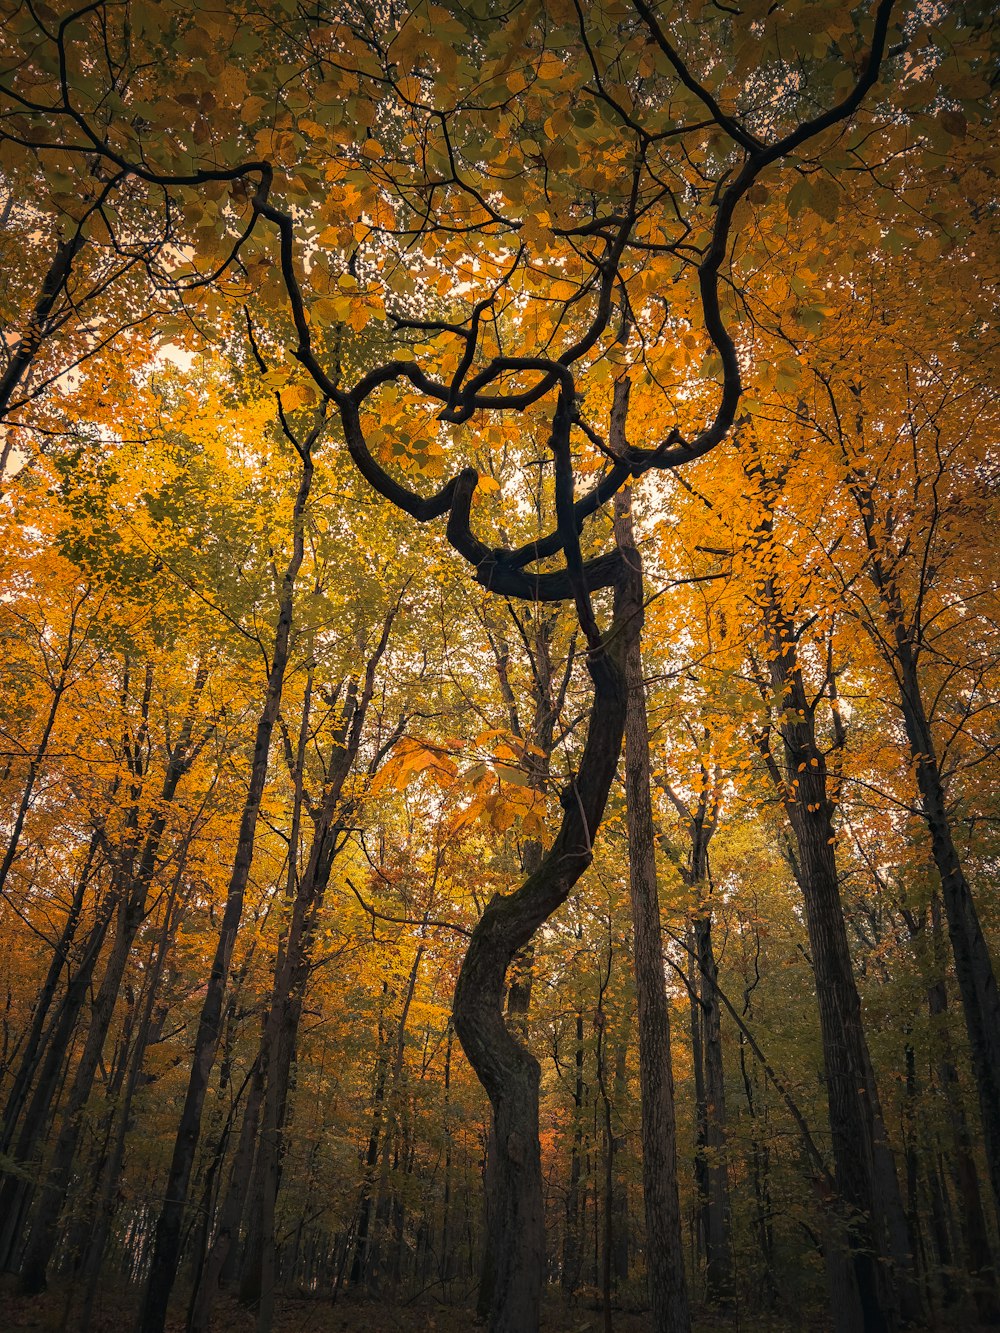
(509, 1072)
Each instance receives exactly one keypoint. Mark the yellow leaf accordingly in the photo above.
(550, 66)
(409, 89)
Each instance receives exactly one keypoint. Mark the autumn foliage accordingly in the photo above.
(402, 410)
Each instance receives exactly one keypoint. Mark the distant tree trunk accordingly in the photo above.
(664, 1245)
(486, 1288)
(700, 1227)
(167, 1246)
(718, 1251)
(572, 1256)
(44, 1233)
(59, 688)
(911, 1157)
(446, 1264)
(53, 1045)
(942, 1227)
(362, 1233)
(15, 1192)
(975, 1233)
(620, 1253)
(371, 1255)
(223, 1249)
(130, 915)
(36, 1042)
(112, 1167)
(879, 1258)
(760, 1176)
(711, 1168)
(974, 972)
(292, 968)
(607, 1209)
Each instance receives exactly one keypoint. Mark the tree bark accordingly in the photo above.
(167, 1245)
(718, 1250)
(974, 972)
(40, 321)
(37, 1037)
(572, 1255)
(977, 984)
(221, 1252)
(620, 1254)
(112, 1167)
(547, 701)
(131, 912)
(980, 1261)
(867, 1185)
(292, 966)
(15, 1192)
(509, 1073)
(59, 689)
(664, 1245)
(711, 1169)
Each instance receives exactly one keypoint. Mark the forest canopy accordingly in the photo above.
(498, 703)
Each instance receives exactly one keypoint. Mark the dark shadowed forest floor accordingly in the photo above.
(116, 1314)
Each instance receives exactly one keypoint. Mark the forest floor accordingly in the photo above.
(115, 1313)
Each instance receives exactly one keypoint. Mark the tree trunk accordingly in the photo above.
(844, 1056)
(865, 1177)
(39, 322)
(131, 912)
(292, 966)
(446, 1265)
(760, 1163)
(222, 1251)
(607, 1210)
(572, 1256)
(167, 1246)
(664, 1246)
(700, 1227)
(362, 1239)
(977, 984)
(718, 1251)
(974, 972)
(102, 1223)
(59, 688)
(15, 1192)
(972, 1220)
(620, 1254)
(44, 1233)
(37, 1037)
(547, 702)
(508, 1072)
